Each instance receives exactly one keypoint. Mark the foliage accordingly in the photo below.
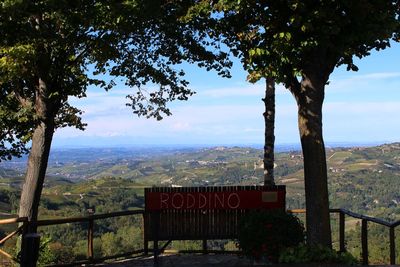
(279, 39)
(50, 51)
(61, 254)
(370, 189)
(80, 249)
(46, 254)
(288, 40)
(186, 245)
(267, 233)
(109, 244)
(315, 254)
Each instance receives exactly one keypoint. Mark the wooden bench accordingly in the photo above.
(203, 213)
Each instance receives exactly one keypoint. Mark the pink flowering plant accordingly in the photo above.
(265, 234)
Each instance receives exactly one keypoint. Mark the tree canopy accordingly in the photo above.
(73, 44)
(274, 38)
(51, 50)
(299, 43)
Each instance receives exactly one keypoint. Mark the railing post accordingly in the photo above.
(30, 245)
(90, 239)
(145, 234)
(342, 246)
(30, 249)
(392, 246)
(364, 241)
(155, 229)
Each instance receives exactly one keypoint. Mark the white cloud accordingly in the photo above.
(365, 109)
(377, 76)
(363, 80)
(343, 121)
(362, 121)
(181, 126)
(254, 130)
(257, 89)
(228, 119)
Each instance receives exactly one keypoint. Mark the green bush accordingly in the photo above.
(317, 254)
(46, 256)
(264, 234)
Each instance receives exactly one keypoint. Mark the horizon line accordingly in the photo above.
(189, 145)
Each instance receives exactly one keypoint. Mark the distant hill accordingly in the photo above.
(362, 179)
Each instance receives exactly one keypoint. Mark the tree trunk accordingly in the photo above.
(39, 155)
(269, 119)
(37, 165)
(309, 100)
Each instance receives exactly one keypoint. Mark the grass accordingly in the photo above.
(338, 157)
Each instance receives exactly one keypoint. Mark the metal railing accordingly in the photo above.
(364, 232)
(92, 218)
(18, 231)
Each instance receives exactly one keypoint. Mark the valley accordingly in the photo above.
(361, 179)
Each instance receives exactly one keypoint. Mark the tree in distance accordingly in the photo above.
(299, 43)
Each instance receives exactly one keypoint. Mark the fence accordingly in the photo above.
(364, 232)
(92, 218)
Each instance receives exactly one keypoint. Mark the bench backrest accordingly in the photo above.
(190, 213)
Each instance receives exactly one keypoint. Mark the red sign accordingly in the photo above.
(239, 199)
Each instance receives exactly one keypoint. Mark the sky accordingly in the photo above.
(360, 108)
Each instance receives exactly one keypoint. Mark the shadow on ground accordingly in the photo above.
(199, 260)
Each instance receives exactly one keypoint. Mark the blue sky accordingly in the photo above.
(360, 107)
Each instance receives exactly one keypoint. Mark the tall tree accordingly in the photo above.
(269, 127)
(52, 50)
(299, 43)
(269, 135)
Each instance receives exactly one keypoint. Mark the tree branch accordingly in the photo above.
(82, 53)
(293, 85)
(25, 102)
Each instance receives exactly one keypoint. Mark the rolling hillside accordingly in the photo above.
(360, 179)
(364, 180)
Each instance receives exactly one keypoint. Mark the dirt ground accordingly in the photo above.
(199, 260)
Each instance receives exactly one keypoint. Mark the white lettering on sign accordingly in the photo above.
(163, 199)
(191, 201)
(202, 201)
(220, 201)
(231, 201)
(199, 200)
(174, 203)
